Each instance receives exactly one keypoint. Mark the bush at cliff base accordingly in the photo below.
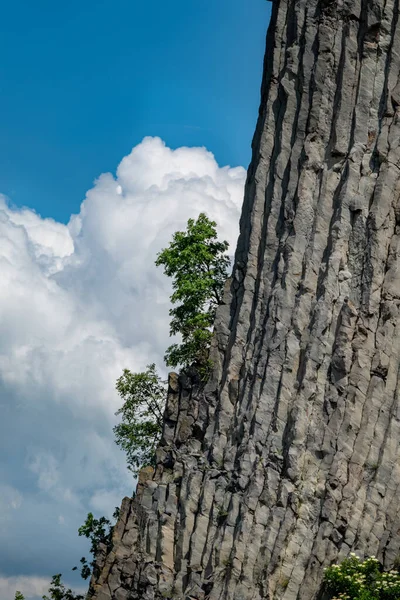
(354, 579)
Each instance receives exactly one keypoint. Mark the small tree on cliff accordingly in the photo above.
(98, 531)
(144, 396)
(196, 262)
(198, 265)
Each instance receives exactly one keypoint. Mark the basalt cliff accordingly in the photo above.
(289, 457)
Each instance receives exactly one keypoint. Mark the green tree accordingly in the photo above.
(98, 531)
(355, 579)
(19, 596)
(197, 263)
(139, 433)
(58, 591)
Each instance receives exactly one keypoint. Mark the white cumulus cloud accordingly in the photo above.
(80, 302)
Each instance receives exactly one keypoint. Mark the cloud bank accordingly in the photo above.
(79, 303)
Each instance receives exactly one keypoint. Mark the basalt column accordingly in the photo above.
(289, 457)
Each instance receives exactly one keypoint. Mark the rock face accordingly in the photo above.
(289, 458)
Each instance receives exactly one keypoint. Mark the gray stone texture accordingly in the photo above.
(289, 458)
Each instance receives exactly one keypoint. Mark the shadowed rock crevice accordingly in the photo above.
(289, 457)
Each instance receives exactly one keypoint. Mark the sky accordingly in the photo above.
(81, 83)
(119, 121)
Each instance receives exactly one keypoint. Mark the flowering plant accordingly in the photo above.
(355, 579)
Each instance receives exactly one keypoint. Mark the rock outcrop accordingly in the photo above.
(289, 457)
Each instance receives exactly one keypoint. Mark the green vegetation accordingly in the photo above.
(355, 579)
(58, 591)
(284, 582)
(197, 263)
(139, 432)
(98, 531)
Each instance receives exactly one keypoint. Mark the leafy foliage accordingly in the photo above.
(142, 414)
(355, 579)
(197, 263)
(58, 591)
(86, 568)
(19, 596)
(98, 531)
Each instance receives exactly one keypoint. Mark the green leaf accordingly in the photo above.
(144, 395)
(197, 263)
(354, 579)
(58, 591)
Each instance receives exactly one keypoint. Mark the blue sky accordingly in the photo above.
(119, 121)
(84, 82)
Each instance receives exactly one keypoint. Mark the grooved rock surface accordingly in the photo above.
(290, 456)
